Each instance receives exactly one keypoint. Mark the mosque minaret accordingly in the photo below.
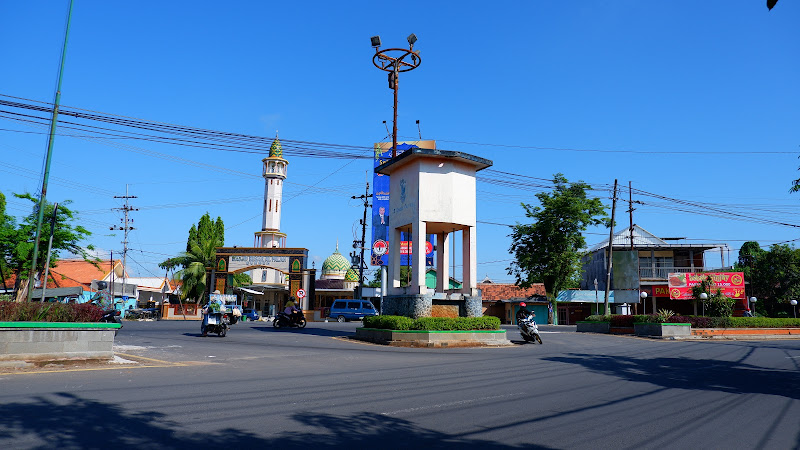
(270, 236)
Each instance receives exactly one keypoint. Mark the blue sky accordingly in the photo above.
(689, 100)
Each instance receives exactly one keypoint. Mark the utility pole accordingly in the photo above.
(630, 210)
(48, 159)
(609, 265)
(49, 249)
(361, 243)
(125, 227)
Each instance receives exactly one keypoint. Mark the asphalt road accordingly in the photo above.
(314, 388)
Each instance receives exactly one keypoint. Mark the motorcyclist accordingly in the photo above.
(292, 311)
(523, 312)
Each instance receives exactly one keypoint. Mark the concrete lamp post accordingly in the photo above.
(794, 307)
(753, 301)
(703, 298)
(643, 296)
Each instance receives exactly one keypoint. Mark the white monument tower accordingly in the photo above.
(270, 236)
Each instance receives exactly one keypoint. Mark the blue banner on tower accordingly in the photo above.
(380, 209)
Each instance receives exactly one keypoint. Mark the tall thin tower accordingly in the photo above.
(274, 172)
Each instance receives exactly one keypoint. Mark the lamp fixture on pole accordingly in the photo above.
(643, 296)
(794, 307)
(393, 60)
(753, 301)
(704, 297)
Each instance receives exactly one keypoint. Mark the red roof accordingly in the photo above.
(499, 291)
(73, 272)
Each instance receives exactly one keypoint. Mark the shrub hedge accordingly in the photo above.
(11, 311)
(763, 322)
(388, 322)
(432, 323)
(626, 321)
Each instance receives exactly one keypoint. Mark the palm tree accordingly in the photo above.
(198, 260)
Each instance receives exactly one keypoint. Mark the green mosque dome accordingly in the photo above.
(351, 275)
(336, 265)
(275, 150)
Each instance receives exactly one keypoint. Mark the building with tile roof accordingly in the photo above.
(642, 262)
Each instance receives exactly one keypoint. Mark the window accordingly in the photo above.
(354, 305)
(368, 305)
(270, 204)
(276, 205)
(338, 305)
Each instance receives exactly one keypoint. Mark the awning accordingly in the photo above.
(250, 291)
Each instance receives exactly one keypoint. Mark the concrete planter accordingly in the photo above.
(56, 340)
(663, 329)
(746, 333)
(422, 338)
(594, 327)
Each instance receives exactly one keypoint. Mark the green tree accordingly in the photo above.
(8, 241)
(206, 230)
(16, 243)
(241, 279)
(199, 257)
(549, 249)
(748, 255)
(716, 304)
(775, 279)
(199, 260)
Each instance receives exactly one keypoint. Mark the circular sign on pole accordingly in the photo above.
(380, 247)
(301, 293)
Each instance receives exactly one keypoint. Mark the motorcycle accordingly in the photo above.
(215, 322)
(285, 320)
(111, 316)
(529, 330)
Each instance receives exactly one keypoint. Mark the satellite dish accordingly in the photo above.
(118, 270)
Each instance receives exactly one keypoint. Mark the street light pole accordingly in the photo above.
(753, 301)
(794, 307)
(704, 297)
(392, 60)
(643, 296)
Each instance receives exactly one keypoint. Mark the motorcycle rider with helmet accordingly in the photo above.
(523, 312)
(292, 311)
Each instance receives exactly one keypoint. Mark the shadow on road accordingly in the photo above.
(697, 374)
(307, 330)
(69, 421)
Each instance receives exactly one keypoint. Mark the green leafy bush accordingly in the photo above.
(388, 322)
(622, 321)
(763, 322)
(432, 323)
(48, 312)
(597, 318)
(664, 315)
(720, 306)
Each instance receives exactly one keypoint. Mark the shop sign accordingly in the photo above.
(731, 284)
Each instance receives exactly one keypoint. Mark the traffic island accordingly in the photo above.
(37, 341)
(593, 327)
(663, 330)
(430, 338)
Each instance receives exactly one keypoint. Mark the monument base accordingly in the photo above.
(425, 305)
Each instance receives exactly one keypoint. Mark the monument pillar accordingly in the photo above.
(432, 191)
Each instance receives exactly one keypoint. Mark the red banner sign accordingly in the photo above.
(661, 291)
(730, 283)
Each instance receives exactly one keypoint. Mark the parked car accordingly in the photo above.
(348, 309)
(250, 313)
